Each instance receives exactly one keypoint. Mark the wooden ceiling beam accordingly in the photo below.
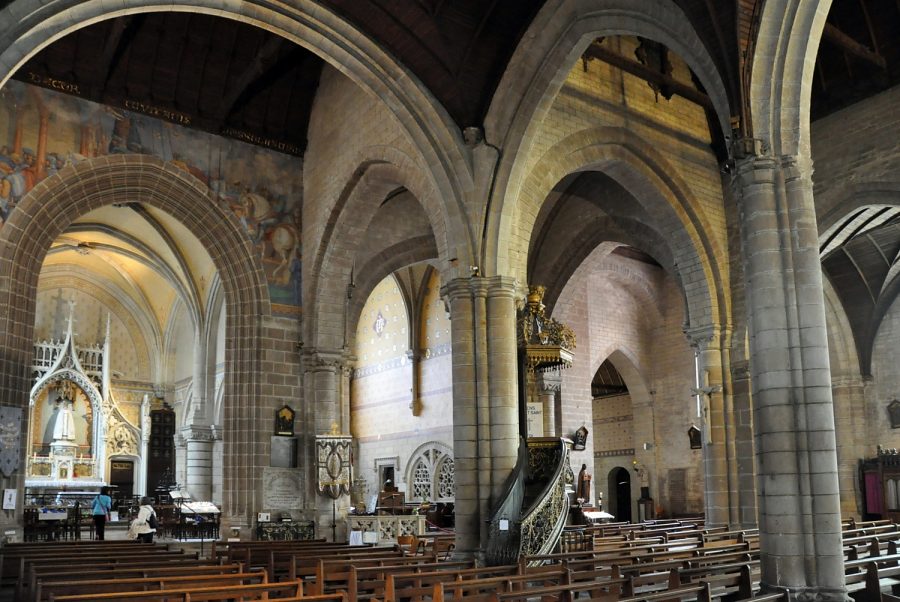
(839, 38)
(635, 68)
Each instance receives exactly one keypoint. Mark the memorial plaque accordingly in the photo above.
(281, 488)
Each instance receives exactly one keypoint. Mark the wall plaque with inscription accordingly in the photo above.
(281, 488)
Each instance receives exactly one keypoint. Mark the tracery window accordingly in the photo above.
(431, 473)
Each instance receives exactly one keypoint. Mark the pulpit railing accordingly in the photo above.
(532, 513)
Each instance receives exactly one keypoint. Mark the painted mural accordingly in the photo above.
(42, 131)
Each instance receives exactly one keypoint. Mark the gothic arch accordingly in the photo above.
(651, 181)
(58, 200)
(374, 179)
(436, 137)
(557, 37)
(387, 262)
(783, 64)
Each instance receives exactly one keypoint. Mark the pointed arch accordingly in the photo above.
(650, 179)
(557, 37)
(435, 135)
(58, 200)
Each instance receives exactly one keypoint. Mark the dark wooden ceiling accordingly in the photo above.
(859, 55)
(216, 74)
(234, 79)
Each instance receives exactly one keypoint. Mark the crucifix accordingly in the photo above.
(704, 390)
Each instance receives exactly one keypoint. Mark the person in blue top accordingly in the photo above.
(100, 508)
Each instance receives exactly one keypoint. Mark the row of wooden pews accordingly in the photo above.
(659, 561)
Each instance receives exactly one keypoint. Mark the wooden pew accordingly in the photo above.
(11, 554)
(334, 574)
(56, 589)
(365, 582)
(878, 579)
(304, 566)
(255, 591)
(27, 563)
(222, 549)
(414, 585)
(43, 579)
(481, 589)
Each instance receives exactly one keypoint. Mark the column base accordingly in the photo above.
(808, 594)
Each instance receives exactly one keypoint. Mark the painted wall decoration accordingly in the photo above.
(42, 131)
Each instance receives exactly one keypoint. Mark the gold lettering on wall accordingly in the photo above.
(279, 145)
(160, 112)
(53, 83)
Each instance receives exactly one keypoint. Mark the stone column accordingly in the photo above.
(199, 461)
(325, 379)
(485, 401)
(549, 384)
(797, 482)
(467, 432)
(503, 375)
(718, 436)
(744, 448)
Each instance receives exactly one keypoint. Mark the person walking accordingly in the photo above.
(100, 508)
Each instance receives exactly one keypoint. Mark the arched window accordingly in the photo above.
(431, 474)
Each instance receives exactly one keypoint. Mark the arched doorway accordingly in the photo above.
(619, 485)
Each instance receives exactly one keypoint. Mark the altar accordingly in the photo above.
(76, 427)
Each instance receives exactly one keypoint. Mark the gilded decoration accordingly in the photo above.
(547, 343)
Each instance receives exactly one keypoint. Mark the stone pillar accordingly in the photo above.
(745, 450)
(549, 384)
(718, 434)
(485, 401)
(327, 381)
(796, 460)
(503, 375)
(467, 433)
(199, 460)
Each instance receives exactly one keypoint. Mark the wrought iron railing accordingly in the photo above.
(532, 514)
(503, 529)
(544, 520)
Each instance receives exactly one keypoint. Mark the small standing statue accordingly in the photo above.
(583, 493)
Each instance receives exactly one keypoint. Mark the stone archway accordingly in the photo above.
(555, 40)
(652, 181)
(57, 201)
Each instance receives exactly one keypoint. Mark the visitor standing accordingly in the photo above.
(100, 509)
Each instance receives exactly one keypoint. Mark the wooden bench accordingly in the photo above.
(29, 563)
(481, 589)
(877, 580)
(334, 574)
(304, 566)
(47, 579)
(55, 589)
(365, 582)
(256, 591)
(412, 585)
(11, 554)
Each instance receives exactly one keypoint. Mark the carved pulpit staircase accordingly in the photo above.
(532, 511)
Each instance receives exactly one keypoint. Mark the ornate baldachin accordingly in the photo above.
(547, 344)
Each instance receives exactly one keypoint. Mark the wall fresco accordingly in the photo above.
(42, 131)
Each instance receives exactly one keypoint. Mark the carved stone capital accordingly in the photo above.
(201, 433)
(703, 338)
